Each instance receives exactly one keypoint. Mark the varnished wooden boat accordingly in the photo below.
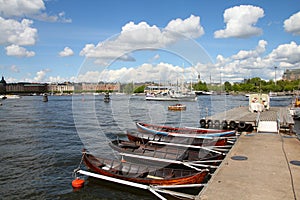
(143, 174)
(176, 131)
(143, 138)
(165, 151)
(177, 107)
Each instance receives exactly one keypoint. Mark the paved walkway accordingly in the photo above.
(266, 174)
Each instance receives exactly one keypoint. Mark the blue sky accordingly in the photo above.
(59, 40)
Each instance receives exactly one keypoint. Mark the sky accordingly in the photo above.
(46, 41)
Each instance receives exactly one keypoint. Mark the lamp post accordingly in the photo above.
(275, 67)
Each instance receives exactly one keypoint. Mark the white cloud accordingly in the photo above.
(19, 8)
(34, 9)
(66, 52)
(40, 75)
(254, 63)
(252, 53)
(240, 22)
(286, 53)
(16, 50)
(142, 36)
(189, 27)
(19, 33)
(145, 72)
(292, 24)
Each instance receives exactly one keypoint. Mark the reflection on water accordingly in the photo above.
(40, 146)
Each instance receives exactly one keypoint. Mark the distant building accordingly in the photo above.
(2, 86)
(61, 88)
(88, 87)
(26, 88)
(291, 75)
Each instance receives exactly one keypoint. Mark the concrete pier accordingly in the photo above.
(266, 174)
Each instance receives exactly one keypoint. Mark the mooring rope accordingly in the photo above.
(78, 168)
(289, 168)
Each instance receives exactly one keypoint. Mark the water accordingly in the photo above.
(41, 142)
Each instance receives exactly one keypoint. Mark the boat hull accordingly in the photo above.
(143, 174)
(143, 138)
(183, 132)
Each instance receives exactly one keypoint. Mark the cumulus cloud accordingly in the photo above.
(34, 9)
(19, 33)
(255, 63)
(40, 75)
(66, 52)
(261, 48)
(142, 36)
(286, 54)
(189, 27)
(240, 22)
(15, 50)
(145, 72)
(292, 24)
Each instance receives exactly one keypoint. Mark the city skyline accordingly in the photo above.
(58, 41)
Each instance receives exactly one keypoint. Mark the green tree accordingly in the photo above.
(200, 86)
(228, 86)
(140, 89)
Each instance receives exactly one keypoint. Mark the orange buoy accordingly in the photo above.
(77, 183)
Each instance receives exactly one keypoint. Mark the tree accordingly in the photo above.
(228, 86)
(200, 86)
(140, 89)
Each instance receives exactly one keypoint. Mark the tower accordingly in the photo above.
(2, 86)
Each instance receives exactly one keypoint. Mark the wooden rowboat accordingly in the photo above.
(166, 151)
(177, 107)
(143, 138)
(176, 131)
(143, 174)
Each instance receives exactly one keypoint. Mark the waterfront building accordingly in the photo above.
(291, 75)
(66, 87)
(26, 88)
(94, 87)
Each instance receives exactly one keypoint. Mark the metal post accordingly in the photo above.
(275, 73)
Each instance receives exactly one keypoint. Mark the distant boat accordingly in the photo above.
(13, 96)
(177, 107)
(203, 92)
(172, 95)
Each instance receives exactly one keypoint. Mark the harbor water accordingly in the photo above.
(41, 142)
